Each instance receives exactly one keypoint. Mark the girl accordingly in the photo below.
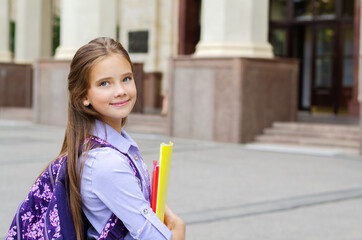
(102, 93)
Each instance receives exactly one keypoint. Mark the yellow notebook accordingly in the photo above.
(164, 172)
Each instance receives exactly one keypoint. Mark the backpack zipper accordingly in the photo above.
(45, 227)
(45, 218)
(18, 222)
(51, 176)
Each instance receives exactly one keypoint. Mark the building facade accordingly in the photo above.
(37, 29)
(324, 35)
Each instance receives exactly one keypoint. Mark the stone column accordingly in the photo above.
(234, 28)
(82, 21)
(33, 36)
(5, 54)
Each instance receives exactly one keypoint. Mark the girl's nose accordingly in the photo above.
(120, 90)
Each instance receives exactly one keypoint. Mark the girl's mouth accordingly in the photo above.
(120, 104)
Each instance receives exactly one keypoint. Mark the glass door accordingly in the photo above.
(346, 63)
(324, 77)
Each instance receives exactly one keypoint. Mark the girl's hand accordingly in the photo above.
(175, 224)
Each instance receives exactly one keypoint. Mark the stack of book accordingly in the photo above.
(161, 172)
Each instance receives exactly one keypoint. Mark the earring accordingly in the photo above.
(86, 103)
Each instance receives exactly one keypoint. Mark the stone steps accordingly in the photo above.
(320, 127)
(312, 134)
(146, 123)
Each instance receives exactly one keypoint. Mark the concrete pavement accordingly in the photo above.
(222, 191)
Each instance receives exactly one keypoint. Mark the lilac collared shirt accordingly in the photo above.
(108, 185)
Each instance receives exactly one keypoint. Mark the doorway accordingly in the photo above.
(326, 66)
(321, 35)
(189, 26)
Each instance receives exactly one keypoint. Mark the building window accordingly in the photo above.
(303, 9)
(324, 57)
(325, 8)
(348, 63)
(12, 26)
(306, 9)
(348, 8)
(55, 25)
(278, 10)
(278, 39)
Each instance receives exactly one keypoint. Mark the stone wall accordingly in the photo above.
(152, 96)
(230, 99)
(16, 85)
(50, 91)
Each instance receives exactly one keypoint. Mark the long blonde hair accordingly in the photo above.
(81, 118)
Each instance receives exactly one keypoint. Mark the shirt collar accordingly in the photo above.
(122, 142)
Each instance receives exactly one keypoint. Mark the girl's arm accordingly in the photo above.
(109, 186)
(175, 224)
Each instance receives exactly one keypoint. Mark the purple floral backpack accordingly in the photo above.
(45, 213)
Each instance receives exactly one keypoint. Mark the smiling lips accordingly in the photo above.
(120, 104)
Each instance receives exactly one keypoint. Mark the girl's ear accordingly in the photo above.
(85, 101)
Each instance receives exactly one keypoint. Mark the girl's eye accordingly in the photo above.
(127, 79)
(104, 84)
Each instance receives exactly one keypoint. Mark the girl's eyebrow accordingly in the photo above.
(103, 79)
(127, 74)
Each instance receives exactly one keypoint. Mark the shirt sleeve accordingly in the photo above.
(118, 188)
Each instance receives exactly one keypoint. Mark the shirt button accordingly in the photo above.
(136, 157)
(145, 211)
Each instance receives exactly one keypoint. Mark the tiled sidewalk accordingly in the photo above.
(223, 191)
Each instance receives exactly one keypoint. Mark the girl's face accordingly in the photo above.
(112, 92)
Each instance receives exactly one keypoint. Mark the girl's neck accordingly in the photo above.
(116, 125)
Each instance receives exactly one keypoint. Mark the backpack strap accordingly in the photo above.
(114, 229)
(98, 142)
